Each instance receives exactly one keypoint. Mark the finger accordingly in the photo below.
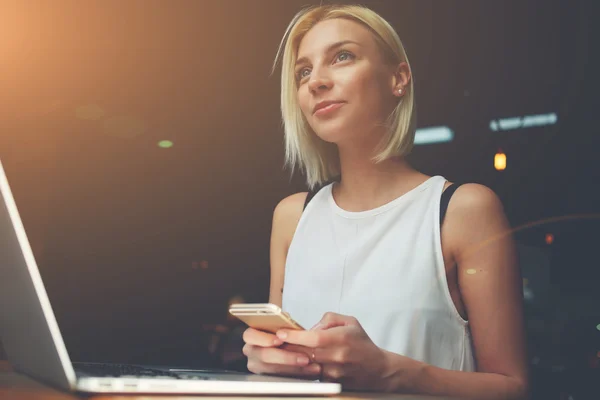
(259, 338)
(296, 348)
(309, 371)
(312, 339)
(332, 355)
(331, 320)
(274, 355)
(332, 373)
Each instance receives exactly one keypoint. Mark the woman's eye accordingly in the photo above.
(301, 74)
(343, 56)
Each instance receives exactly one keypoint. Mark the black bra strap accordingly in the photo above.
(309, 197)
(446, 195)
(315, 190)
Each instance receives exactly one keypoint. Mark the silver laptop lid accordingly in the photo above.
(28, 328)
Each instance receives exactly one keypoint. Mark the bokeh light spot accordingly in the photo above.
(165, 144)
(200, 264)
(598, 327)
(549, 238)
(471, 271)
(500, 160)
(90, 112)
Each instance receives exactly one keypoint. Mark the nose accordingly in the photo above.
(319, 81)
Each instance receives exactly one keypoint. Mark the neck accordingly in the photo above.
(365, 184)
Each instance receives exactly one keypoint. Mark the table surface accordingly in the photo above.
(16, 386)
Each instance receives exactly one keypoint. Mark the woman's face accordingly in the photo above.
(340, 64)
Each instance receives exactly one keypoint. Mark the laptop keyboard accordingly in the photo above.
(128, 370)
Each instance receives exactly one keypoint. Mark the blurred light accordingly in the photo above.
(549, 238)
(437, 134)
(471, 271)
(525, 281)
(165, 144)
(200, 264)
(500, 161)
(598, 327)
(124, 127)
(528, 121)
(89, 112)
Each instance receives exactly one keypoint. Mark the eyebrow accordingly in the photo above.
(328, 50)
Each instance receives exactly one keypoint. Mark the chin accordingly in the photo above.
(332, 131)
(330, 136)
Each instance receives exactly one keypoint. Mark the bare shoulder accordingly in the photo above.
(287, 214)
(290, 207)
(474, 199)
(475, 216)
(291, 202)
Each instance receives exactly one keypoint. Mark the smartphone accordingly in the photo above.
(264, 317)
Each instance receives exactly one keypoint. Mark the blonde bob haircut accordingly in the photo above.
(316, 158)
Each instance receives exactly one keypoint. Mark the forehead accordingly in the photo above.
(325, 33)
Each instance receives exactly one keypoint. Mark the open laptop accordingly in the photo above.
(34, 345)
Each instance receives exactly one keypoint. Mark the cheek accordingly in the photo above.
(303, 99)
(367, 95)
(364, 87)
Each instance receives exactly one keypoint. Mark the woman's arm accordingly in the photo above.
(491, 288)
(267, 354)
(285, 220)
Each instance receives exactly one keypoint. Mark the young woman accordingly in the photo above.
(405, 290)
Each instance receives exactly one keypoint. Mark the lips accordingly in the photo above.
(325, 105)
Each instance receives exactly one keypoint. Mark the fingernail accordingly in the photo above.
(281, 335)
(302, 360)
(277, 342)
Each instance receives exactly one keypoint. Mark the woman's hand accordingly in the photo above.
(345, 352)
(269, 355)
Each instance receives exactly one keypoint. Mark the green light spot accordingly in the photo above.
(165, 144)
(598, 327)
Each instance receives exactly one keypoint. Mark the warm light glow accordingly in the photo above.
(500, 161)
(165, 144)
(124, 127)
(549, 238)
(471, 271)
(89, 112)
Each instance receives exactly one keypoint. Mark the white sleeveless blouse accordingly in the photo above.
(383, 266)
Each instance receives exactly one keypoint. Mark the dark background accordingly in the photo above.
(120, 226)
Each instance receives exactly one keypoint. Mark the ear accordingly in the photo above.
(401, 77)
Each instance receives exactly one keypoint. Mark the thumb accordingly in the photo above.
(331, 320)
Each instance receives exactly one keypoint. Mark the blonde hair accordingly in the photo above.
(316, 158)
